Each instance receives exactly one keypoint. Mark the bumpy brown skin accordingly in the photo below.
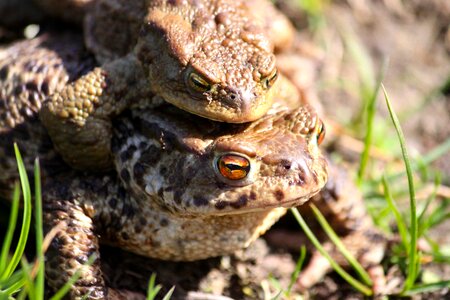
(165, 156)
(120, 21)
(29, 72)
(222, 42)
(174, 203)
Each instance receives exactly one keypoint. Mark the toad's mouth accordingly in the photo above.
(232, 208)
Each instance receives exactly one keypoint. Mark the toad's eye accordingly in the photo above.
(198, 83)
(320, 133)
(233, 166)
(270, 80)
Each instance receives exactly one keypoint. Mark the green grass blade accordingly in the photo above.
(169, 293)
(427, 159)
(398, 217)
(352, 281)
(39, 231)
(371, 110)
(16, 285)
(412, 257)
(152, 289)
(26, 221)
(16, 276)
(277, 285)
(298, 268)
(423, 224)
(428, 287)
(29, 283)
(437, 217)
(437, 152)
(22, 295)
(10, 231)
(336, 240)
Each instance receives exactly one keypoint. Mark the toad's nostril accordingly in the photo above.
(286, 164)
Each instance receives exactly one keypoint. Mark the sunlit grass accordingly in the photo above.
(412, 249)
(153, 289)
(13, 279)
(345, 275)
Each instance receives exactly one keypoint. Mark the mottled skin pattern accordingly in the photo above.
(30, 71)
(120, 21)
(211, 58)
(174, 203)
(169, 201)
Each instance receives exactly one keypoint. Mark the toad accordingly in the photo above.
(211, 58)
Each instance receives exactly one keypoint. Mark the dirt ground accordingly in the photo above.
(415, 37)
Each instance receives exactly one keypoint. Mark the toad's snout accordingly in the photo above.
(239, 99)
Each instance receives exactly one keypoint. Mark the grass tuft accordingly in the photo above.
(26, 221)
(153, 289)
(413, 267)
(346, 276)
(340, 246)
(398, 217)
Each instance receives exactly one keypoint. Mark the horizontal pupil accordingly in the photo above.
(200, 83)
(234, 167)
(272, 79)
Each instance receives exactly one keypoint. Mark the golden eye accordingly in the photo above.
(233, 167)
(270, 80)
(320, 133)
(198, 83)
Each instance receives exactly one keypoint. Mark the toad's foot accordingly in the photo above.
(78, 117)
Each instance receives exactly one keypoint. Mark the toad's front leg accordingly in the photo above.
(71, 248)
(76, 240)
(78, 118)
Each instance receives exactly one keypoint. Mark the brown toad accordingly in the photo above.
(211, 58)
(188, 188)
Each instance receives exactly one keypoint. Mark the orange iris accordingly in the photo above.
(321, 133)
(233, 167)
